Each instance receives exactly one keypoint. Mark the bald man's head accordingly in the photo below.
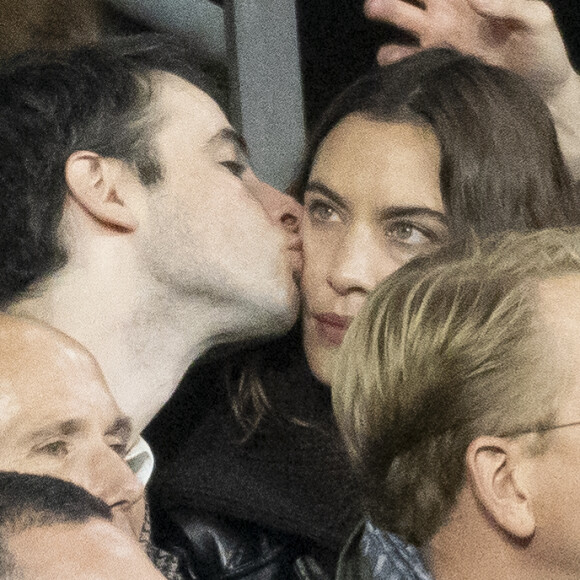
(58, 418)
(32, 353)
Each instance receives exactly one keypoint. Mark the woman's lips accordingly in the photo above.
(331, 327)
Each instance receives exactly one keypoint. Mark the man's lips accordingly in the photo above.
(296, 245)
(296, 260)
(331, 327)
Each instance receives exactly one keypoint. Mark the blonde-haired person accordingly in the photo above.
(458, 395)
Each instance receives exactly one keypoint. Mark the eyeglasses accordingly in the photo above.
(540, 429)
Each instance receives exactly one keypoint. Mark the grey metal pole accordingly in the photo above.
(266, 84)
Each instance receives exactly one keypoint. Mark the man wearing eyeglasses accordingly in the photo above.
(458, 394)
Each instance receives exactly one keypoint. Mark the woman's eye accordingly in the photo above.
(321, 211)
(235, 167)
(408, 234)
(55, 448)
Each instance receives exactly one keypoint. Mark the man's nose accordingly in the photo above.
(109, 478)
(282, 209)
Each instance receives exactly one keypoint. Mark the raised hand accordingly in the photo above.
(519, 35)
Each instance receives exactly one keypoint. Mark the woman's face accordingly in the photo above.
(371, 204)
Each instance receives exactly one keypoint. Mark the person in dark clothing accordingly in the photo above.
(405, 160)
(259, 494)
(70, 119)
(122, 186)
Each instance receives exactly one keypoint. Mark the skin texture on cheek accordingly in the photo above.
(320, 358)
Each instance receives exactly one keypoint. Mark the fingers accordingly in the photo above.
(398, 13)
(390, 53)
(528, 13)
(404, 16)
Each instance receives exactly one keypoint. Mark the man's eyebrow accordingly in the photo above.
(231, 136)
(122, 427)
(319, 187)
(69, 427)
(403, 211)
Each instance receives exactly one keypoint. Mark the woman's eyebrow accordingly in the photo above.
(399, 211)
(320, 188)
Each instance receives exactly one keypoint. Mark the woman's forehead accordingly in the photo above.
(383, 163)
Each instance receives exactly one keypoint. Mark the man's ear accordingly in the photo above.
(495, 468)
(93, 182)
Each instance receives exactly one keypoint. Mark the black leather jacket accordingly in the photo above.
(211, 548)
(278, 506)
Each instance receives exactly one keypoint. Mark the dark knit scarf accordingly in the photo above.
(168, 564)
(287, 477)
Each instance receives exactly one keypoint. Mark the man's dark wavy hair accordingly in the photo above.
(28, 501)
(96, 98)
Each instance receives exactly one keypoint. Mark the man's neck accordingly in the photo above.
(470, 546)
(143, 340)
